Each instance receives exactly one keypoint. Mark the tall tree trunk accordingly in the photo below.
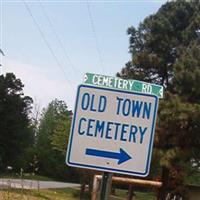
(165, 178)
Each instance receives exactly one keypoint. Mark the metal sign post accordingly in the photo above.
(105, 185)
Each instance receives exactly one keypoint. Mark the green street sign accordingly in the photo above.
(118, 83)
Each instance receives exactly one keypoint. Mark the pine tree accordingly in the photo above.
(165, 49)
(15, 125)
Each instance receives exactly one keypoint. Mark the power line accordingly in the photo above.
(46, 41)
(57, 37)
(95, 36)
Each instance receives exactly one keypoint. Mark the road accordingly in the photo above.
(33, 184)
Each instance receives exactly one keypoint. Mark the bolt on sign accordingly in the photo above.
(112, 129)
(122, 84)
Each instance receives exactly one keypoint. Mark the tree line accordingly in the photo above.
(31, 140)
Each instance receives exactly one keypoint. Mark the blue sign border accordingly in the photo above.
(68, 162)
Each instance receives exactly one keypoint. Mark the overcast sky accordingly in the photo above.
(50, 45)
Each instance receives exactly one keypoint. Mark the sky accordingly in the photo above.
(50, 45)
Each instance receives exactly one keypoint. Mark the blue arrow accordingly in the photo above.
(122, 156)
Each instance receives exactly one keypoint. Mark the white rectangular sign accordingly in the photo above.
(112, 130)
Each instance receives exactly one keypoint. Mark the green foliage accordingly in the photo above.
(165, 49)
(187, 73)
(16, 134)
(155, 43)
(52, 140)
(179, 125)
(59, 139)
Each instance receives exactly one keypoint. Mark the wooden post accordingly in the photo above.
(82, 190)
(95, 189)
(130, 192)
(127, 181)
(162, 191)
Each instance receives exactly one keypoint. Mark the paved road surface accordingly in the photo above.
(32, 184)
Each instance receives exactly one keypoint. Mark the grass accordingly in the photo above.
(121, 194)
(62, 194)
(193, 179)
(50, 194)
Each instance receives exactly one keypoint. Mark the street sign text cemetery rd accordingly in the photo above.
(112, 130)
(122, 84)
